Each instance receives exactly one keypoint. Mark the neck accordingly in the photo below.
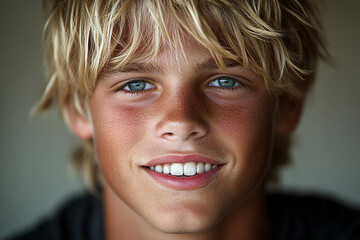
(248, 221)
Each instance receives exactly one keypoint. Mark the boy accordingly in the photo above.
(186, 109)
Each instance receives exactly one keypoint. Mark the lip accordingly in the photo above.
(173, 158)
(184, 183)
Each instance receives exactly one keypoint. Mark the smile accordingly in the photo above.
(183, 172)
(183, 169)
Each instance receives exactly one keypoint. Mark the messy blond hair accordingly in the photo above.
(278, 39)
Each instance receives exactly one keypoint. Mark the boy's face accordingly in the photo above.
(170, 111)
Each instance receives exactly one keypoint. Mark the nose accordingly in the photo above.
(181, 119)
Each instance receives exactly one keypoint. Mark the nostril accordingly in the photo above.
(181, 130)
(168, 135)
(193, 134)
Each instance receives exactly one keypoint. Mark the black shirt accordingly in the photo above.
(311, 218)
(292, 218)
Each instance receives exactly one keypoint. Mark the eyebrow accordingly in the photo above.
(211, 64)
(141, 68)
(208, 64)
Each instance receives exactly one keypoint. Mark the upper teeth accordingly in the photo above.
(187, 169)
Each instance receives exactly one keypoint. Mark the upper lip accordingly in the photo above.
(176, 158)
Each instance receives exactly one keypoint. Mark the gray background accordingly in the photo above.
(34, 171)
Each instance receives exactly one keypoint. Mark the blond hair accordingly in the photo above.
(279, 39)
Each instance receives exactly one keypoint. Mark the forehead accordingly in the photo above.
(191, 55)
(160, 66)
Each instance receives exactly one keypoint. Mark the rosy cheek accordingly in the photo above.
(246, 130)
(238, 120)
(117, 127)
(247, 127)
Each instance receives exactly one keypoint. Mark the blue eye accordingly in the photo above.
(137, 86)
(224, 83)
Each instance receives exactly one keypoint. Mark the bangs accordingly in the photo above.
(278, 41)
(143, 29)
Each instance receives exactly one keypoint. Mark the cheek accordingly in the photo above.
(246, 123)
(117, 128)
(247, 130)
(117, 123)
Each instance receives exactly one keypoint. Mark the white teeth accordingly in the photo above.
(189, 169)
(159, 168)
(207, 167)
(166, 169)
(200, 168)
(177, 169)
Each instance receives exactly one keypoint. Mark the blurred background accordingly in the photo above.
(34, 172)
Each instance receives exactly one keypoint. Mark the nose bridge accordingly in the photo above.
(183, 106)
(181, 116)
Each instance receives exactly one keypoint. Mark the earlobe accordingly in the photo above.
(78, 124)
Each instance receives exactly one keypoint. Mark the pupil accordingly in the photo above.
(226, 83)
(137, 86)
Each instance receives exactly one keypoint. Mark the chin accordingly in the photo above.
(183, 229)
(184, 223)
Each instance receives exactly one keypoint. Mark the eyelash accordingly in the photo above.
(238, 85)
(134, 92)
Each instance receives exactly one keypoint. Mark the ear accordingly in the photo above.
(290, 111)
(78, 124)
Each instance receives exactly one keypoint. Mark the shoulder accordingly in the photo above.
(295, 216)
(78, 218)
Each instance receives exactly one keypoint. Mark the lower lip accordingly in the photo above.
(184, 183)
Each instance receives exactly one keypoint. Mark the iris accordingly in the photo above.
(224, 82)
